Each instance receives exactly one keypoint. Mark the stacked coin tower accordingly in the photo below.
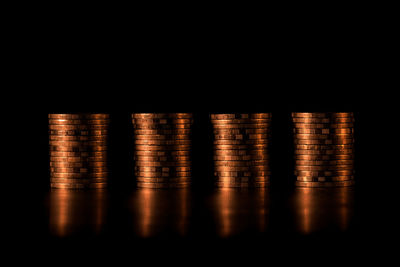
(78, 150)
(324, 149)
(241, 156)
(162, 149)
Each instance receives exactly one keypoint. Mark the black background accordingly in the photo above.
(66, 68)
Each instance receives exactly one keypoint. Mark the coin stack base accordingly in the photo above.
(78, 150)
(324, 149)
(241, 157)
(162, 149)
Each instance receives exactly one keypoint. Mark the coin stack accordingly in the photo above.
(324, 149)
(162, 149)
(78, 150)
(241, 156)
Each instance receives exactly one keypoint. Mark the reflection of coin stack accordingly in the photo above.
(73, 212)
(158, 211)
(241, 155)
(78, 150)
(162, 149)
(324, 149)
(241, 210)
(319, 209)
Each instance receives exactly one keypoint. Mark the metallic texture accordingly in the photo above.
(78, 145)
(323, 149)
(162, 149)
(241, 155)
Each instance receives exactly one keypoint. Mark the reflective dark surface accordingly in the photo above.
(237, 211)
(72, 212)
(157, 212)
(182, 213)
(323, 209)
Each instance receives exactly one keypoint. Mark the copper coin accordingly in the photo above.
(78, 181)
(241, 116)
(101, 160)
(325, 184)
(78, 127)
(66, 164)
(162, 132)
(162, 121)
(240, 147)
(161, 158)
(241, 168)
(322, 114)
(162, 153)
(323, 136)
(160, 172)
(233, 174)
(162, 126)
(162, 137)
(240, 136)
(323, 120)
(248, 184)
(162, 175)
(78, 132)
(238, 163)
(80, 116)
(150, 174)
(324, 178)
(164, 179)
(242, 157)
(162, 185)
(324, 147)
(323, 126)
(78, 154)
(230, 179)
(323, 142)
(325, 157)
(78, 170)
(323, 162)
(325, 173)
(162, 142)
(324, 152)
(78, 122)
(78, 143)
(324, 131)
(324, 168)
(332, 150)
(242, 126)
(163, 168)
(241, 142)
(163, 164)
(241, 152)
(161, 115)
(162, 147)
(77, 138)
(80, 175)
(78, 186)
(242, 173)
(167, 162)
(78, 159)
(243, 131)
(240, 121)
(237, 180)
(87, 149)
